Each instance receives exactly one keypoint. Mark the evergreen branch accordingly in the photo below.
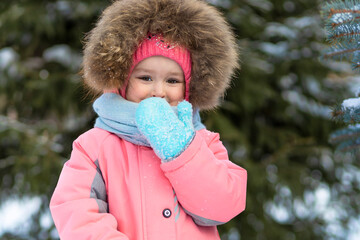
(331, 24)
(337, 113)
(346, 139)
(355, 66)
(341, 11)
(344, 32)
(341, 20)
(338, 52)
(356, 60)
(343, 27)
(345, 134)
(345, 145)
(340, 7)
(348, 111)
(348, 146)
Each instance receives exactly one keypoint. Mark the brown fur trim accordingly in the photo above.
(193, 24)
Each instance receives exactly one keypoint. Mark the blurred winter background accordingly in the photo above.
(275, 121)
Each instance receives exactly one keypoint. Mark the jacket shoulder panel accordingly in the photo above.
(92, 140)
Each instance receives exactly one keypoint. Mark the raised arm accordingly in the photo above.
(209, 187)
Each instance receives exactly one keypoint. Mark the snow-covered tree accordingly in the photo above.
(342, 23)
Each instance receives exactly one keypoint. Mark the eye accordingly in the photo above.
(145, 78)
(173, 81)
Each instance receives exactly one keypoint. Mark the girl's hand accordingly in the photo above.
(169, 135)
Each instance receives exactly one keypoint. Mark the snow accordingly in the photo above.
(313, 86)
(279, 49)
(315, 204)
(7, 56)
(322, 193)
(64, 55)
(353, 83)
(15, 213)
(277, 29)
(351, 103)
(342, 17)
(354, 228)
(308, 105)
(303, 22)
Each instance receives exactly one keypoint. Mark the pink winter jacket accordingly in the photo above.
(113, 189)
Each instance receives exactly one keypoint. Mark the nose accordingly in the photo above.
(158, 90)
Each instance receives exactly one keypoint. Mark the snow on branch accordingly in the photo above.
(343, 29)
(348, 112)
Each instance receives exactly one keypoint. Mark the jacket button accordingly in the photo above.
(166, 213)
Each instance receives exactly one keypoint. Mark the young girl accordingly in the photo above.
(149, 169)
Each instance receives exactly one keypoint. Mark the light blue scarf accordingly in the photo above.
(117, 115)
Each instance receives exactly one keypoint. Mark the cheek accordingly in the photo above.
(181, 91)
(180, 94)
(135, 92)
(177, 95)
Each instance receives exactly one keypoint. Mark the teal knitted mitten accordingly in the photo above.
(169, 135)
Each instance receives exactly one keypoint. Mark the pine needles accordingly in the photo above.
(342, 24)
(343, 29)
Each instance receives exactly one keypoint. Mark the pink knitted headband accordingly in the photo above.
(155, 45)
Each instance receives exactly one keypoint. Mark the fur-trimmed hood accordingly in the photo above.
(193, 24)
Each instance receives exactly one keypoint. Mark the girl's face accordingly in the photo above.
(156, 76)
